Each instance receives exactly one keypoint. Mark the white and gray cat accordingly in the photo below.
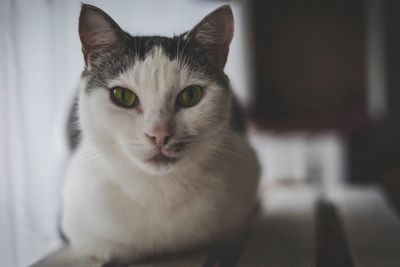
(163, 164)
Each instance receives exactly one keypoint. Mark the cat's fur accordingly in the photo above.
(116, 204)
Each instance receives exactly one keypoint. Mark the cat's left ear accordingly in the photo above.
(215, 33)
(97, 31)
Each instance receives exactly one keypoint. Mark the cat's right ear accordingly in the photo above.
(97, 31)
(215, 33)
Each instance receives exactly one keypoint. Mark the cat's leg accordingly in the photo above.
(114, 264)
(65, 257)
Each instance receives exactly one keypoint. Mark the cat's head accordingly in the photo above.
(161, 101)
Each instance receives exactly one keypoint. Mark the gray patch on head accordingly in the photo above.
(122, 57)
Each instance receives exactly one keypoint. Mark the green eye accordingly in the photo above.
(124, 97)
(190, 96)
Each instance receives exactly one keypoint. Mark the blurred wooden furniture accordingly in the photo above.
(310, 64)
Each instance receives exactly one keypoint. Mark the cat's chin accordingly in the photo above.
(160, 163)
(159, 168)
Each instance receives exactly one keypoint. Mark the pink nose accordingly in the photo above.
(159, 135)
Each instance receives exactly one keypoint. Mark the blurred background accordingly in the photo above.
(318, 79)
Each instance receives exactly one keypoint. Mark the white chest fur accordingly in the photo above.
(112, 209)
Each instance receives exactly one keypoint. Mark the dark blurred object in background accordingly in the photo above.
(311, 64)
(330, 65)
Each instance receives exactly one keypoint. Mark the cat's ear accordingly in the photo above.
(97, 31)
(215, 33)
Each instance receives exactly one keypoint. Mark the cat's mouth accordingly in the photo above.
(161, 159)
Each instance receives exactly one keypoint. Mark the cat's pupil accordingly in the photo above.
(123, 95)
(191, 94)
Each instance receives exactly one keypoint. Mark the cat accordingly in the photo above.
(162, 164)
